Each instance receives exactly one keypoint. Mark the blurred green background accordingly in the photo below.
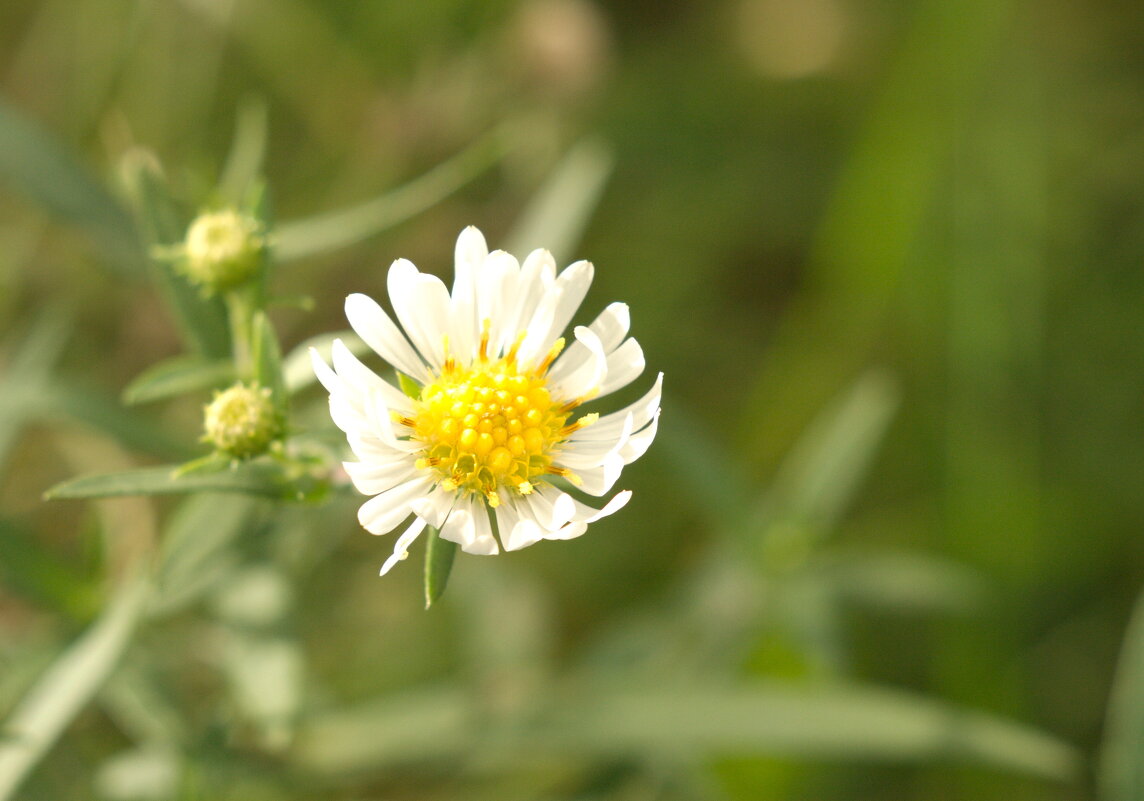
(927, 212)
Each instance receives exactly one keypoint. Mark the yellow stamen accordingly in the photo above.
(490, 425)
(551, 357)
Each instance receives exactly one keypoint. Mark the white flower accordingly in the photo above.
(495, 421)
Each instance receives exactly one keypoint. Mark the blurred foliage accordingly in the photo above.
(887, 254)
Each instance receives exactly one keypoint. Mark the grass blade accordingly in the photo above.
(34, 162)
(67, 686)
(267, 480)
(556, 217)
(178, 376)
(1121, 773)
(338, 229)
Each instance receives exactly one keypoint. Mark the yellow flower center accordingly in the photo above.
(492, 425)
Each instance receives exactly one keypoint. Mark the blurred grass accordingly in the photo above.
(951, 196)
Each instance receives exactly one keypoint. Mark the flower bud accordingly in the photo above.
(222, 250)
(241, 421)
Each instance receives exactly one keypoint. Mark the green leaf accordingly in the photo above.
(1121, 769)
(665, 722)
(823, 722)
(39, 719)
(35, 163)
(268, 360)
(200, 546)
(557, 215)
(817, 480)
(109, 417)
(32, 570)
(247, 151)
(26, 376)
(439, 556)
(261, 479)
(326, 232)
(178, 376)
(901, 581)
(202, 321)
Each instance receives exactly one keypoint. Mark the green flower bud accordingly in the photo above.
(241, 421)
(223, 249)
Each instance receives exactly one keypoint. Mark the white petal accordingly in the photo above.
(346, 415)
(624, 366)
(435, 506)
(459, 526)
(551, 507)
(610, 425)
(599, 480)
(611, 326)
(574, 283)
(469, 253)
(639, 442)
(515, 532)
(372, 479)
(464, 328)
(327, 376)
(537, 342)
(496, 297)
(484, 543)
(353, 372)
(401, 547)
(537, 274)
(370, 322)
(381, 513)
(586, 514)
(568, 532)
(590, 375)
(421, 303)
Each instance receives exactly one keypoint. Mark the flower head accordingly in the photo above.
(222, 250)
(241, 421)
(495, 431)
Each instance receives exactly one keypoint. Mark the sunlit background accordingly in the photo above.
(888, 255)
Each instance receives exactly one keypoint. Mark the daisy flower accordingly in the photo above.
(495, 435)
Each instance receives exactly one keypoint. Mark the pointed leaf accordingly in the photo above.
(39, 719)
(178, 376)
(268, 360)
(247, 151)
(34, 162)
(439, 556)
(325, 232)
(202, 321)
(1121, 774)
(556, 217)
(262, 479)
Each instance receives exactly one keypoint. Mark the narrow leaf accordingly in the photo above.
(37, 722)
(199, 546)
(1121, 773)
(439, 556)
(325, 232)
(178, 376)
(262, 479)
(35, 163)
(817, 480)
(202, 321)
(268, 360)
(658, 722)
(244, 162)
(556, 217)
